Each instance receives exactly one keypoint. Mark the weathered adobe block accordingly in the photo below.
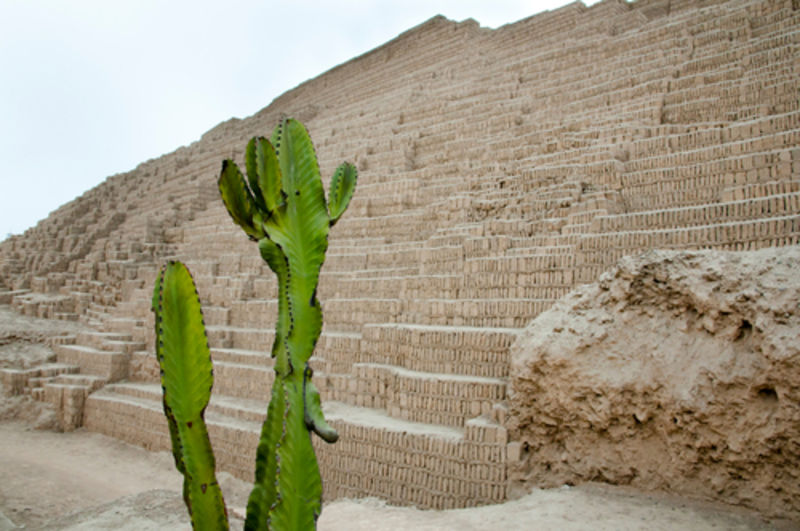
(676, 371)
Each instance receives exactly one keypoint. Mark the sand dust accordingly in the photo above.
(84, 480)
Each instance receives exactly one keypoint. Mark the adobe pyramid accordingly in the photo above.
(499, 169)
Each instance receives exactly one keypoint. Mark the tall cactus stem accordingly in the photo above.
(282, 206)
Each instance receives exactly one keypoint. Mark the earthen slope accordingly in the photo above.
(676, 371)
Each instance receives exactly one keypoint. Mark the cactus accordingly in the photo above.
(186, 378)
(282, 207)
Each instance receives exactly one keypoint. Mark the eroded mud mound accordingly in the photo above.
(676, 371)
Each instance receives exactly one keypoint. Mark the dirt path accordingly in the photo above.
(82, 481)
(44, 474)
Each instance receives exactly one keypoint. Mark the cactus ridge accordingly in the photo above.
(282, 206)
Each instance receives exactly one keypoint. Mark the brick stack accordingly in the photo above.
(498, 170)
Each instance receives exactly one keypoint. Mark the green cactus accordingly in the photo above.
(186, 378)
(284, 210)
(282, 206)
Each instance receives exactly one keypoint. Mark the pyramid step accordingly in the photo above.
(125, 325)
(6, 296)
(441, 399)
(376, 455)
(241, 380)
(37, 382)
(216, 315)
(111, 365)
(336, 352)
(66, 316)
(332, 346)
(242, 356)
(55, 369)
(485, 312)
(20, 381)
(115, 336)
(464, 350)
(63, 340)
(219, 405)
(69, 399)
(144, 367)
(402, 461)
(38, 394)
(90, 381)
(127, 347)
(146, 391)
(244, 338)
(135, 413)
(99, 340)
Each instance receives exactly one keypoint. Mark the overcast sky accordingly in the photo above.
(91, 88)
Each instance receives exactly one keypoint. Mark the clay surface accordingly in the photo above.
(676, 371)
(86, 481)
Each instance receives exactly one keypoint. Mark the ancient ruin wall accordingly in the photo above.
(676, 371)
(499, 169)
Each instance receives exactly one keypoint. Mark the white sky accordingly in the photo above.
(91, 88)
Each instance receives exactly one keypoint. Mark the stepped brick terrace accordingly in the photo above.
(498, 170)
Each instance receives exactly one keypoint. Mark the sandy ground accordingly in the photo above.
(87, 481)
(84, 480)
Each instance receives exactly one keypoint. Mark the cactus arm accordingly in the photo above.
(302, 222)
(314, 419)
(298, 160)
(239, 200)
(251, 161)
(186, 378)
(343, 185)
(269, 175)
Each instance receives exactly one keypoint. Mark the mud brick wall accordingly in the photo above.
(499, 170)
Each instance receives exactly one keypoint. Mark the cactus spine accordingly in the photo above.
(282, 207)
